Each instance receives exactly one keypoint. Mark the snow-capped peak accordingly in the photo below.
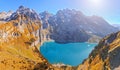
(4, 15)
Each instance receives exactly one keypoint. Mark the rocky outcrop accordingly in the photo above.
(94, 39)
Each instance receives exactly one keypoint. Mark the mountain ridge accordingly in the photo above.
(67, 25)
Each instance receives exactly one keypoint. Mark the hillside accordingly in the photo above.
(105, 56)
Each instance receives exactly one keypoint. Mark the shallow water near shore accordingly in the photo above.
(71, 54)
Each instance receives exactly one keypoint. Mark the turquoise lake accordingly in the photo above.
(71, 54)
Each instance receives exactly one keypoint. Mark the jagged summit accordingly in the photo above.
(45, 15)
(24, 12)
(4, 15)
(23, 9)
(21, 6)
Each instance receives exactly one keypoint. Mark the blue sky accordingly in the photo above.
(108, 9)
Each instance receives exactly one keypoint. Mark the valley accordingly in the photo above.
(26, 41)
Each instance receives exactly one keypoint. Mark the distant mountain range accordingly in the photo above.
(66, 25)
(73, 26)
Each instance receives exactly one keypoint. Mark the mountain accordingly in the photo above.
(20, 41)
(105, 56)
(73, 26)
(5, 15)
(24, 12)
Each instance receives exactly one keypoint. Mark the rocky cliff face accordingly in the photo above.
(73, 26)
(105, 56)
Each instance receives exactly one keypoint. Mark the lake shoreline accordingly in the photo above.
(57, 53)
